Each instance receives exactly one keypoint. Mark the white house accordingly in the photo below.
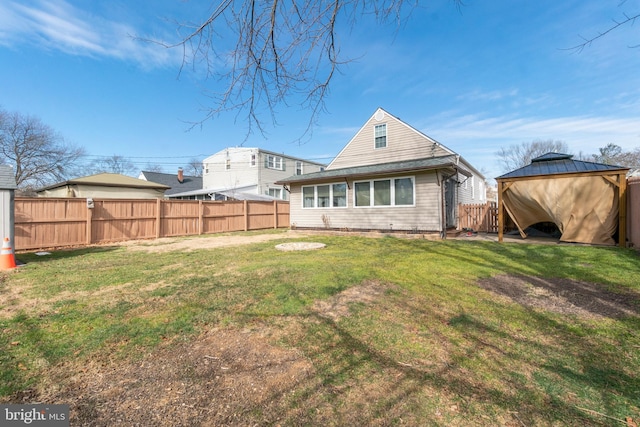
(248, 173)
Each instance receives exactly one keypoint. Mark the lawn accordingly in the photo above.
(367, 331)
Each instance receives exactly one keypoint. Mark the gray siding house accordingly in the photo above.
(390, 176)
(243, 172)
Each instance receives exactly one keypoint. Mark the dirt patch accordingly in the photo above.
(168, 244)
(564, 296)
(225, 377)
(338, 306)
(300, 246)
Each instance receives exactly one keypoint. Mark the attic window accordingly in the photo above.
(381, 136)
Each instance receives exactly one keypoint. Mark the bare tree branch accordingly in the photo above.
(282, 52)
(628, 19)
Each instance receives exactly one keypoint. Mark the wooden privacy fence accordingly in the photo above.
(58, 222)
(482, 217)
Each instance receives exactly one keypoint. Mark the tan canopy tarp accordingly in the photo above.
(585, 208)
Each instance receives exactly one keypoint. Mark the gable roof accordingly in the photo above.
(430, 163)
(558, 163)
(7, 178)
(189, 183)
(109, 180)
(404, 143)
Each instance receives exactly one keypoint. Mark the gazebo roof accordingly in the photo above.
(556, 164)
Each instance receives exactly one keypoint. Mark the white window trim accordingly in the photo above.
(386, 136)
(393, 193)
(315, 196)
(253, 160)
(298, 162)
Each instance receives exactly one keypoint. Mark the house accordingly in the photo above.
(178, 183)
(243, 173)
(585, 200)
(105, 186)
(7, 199)
(389, 176)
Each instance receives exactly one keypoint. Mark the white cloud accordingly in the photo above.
(61, 26)
(478, 138)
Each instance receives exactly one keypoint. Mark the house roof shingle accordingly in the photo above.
(189, 183)
(558, 163)
(430, 163)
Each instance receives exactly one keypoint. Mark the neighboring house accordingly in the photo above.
(105, 186)
(242, 173)
(390, 176)
(7, 198)
(178, 183)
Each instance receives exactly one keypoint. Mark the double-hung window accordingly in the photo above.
(274, 162)
(325, 196)
(298, 167)
(384, 192)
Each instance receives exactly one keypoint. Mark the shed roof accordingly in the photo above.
(556, 164)
(7, 178)
(109, 180)
(430, 163)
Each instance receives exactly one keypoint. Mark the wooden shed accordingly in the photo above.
(585, 200)
(7, 194)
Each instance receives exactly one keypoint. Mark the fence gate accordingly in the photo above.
(482, 217)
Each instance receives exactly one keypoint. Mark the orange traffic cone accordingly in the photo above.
(7, 259)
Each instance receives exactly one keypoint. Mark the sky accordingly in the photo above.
(476, 78)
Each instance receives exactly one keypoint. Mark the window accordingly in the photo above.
(382, 193)
(274, 162)
(339, 198)
(253, 160)
(308, 197)
(385, 192)
(298, 168)
(275, 192)
(380, 136)
(362, 193)
(228, 164)
(403, 191)
(325, 196)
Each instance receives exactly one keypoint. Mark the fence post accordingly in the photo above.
(200, 217)
(158, 217)
(275, 214)
(89, 227)
(246, 215)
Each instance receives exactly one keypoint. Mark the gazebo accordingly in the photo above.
(585, 200)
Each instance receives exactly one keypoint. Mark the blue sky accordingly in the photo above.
(485, 76)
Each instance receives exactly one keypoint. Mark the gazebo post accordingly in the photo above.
(500, 211)
(622, 210)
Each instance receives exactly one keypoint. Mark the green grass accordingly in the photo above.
(436, 349)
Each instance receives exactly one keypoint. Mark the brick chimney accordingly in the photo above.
(180, 175)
